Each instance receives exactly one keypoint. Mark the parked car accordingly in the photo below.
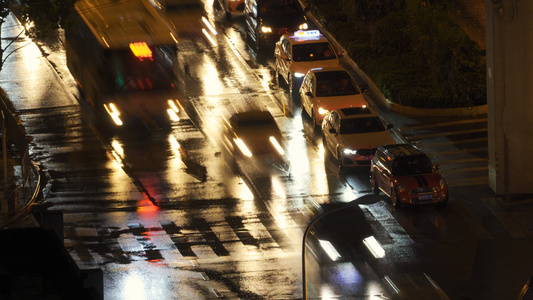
(352, 135)
(299, 52)
(267, 20)
(407, 176)
(326, 89)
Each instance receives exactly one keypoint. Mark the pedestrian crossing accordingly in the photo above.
(459, 147)
(248, 237)
(199, 239)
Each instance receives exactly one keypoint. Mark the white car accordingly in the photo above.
(297, 53)
(352, 135)
(326, 89)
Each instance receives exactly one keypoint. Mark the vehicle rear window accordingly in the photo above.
(335, 83)
(361, 125)
(312, 51)
(410, 165)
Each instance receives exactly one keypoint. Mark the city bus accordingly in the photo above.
(123, 56)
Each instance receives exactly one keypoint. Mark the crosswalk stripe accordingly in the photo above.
(444, 124)
(199, 241)
(431, 135)
(445, 143)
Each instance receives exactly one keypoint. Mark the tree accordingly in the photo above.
(39, 17)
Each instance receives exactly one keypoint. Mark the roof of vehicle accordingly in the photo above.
(251, 118)
(398, 150)
(117, 24)
(356, 112)
(306, 37)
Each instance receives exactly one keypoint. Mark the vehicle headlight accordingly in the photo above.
(322, 111)
(303, 26)
(266, 29)
(298, 75)
(401, 188)
(348, 151)
(242, 146)
(113, 111)
(276, 145)
(173, 111)
(442, 184)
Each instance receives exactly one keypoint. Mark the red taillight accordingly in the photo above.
(141, 50)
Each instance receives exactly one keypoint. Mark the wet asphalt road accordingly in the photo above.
(216, 232)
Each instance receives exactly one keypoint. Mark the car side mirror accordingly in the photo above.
(436, 167)
(341, 53)
(309, 94)
(390, 126)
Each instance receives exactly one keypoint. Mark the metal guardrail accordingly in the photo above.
(23, 187)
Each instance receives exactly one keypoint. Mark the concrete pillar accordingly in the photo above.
(509, 96)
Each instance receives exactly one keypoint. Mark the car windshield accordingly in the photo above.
(312, 51)
(410, 165)
(279, 7)
(335, 83)
(361, 125)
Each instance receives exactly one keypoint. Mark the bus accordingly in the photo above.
(123, 56)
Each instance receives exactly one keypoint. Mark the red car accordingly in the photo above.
(407, 176)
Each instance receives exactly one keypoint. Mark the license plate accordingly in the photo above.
(367, 157)
(425, 197)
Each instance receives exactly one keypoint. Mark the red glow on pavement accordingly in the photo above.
(146, 206)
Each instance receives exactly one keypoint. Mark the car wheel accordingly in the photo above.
(292, 89)
(313, 116)
(373, 183)
(279, 80)
(339, 160)
(326, 152)
(394, 197)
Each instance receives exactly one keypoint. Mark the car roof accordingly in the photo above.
(398, 150)
(306, 37)
(250, 118)
(356, 112)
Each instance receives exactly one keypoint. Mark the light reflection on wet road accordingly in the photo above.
(212, 231)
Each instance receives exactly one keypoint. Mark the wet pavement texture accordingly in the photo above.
(238, 234)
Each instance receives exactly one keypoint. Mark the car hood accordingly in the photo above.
(367, 140)
(304, 66)
(419, 180)
(288, 21)
(336, 102)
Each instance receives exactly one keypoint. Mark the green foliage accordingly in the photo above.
(414, 52)
(46, 16)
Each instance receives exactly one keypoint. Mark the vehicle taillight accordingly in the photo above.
(141, 50)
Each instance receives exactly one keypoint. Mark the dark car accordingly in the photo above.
(267, 20)
(407, 176)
